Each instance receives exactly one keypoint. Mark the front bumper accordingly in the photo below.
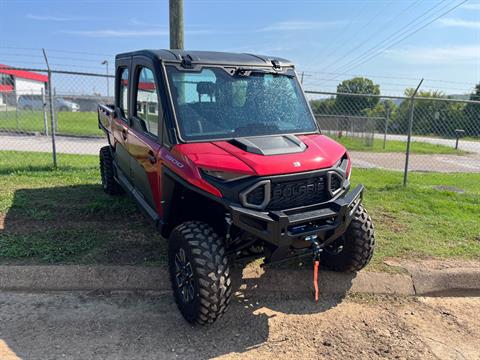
(328, 221)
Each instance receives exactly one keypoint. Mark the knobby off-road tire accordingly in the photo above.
(353, 251)
(109, 184)
(207, 268)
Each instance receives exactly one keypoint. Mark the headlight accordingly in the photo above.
(339, 179)
(345, 164)
(223, 175)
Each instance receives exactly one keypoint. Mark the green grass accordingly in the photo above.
(69, 123)
(470, 138)
(358, 144)
(437, 215)
(63, 216)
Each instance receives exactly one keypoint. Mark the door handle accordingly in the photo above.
(124, 134)
(152, 158)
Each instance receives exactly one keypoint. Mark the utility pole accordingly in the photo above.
(176, 24)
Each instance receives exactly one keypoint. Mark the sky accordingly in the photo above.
(393, 42)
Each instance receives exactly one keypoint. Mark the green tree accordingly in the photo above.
(472, 114)
(356, 105)
(323, 106)
(383, 110)
(431, 116)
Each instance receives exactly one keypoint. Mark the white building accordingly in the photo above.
(14, 83)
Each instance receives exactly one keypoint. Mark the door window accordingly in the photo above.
(123, 96)
(147, 101)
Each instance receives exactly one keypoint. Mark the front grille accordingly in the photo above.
(296, 193)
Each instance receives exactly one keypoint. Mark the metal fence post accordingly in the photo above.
(409, 134)
(387, 118)
(52, 116)
(16, 112)
(55, 109)
(45, 122)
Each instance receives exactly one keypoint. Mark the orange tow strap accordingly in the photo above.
(315, 278)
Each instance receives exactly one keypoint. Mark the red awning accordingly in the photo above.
(23, 74)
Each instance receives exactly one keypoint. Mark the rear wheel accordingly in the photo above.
(353, 251)
(199, 272)
(109, 184)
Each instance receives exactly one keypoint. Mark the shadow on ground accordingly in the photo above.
(77, 225)
(135, 326)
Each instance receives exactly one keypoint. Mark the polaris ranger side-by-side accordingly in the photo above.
(223, 153)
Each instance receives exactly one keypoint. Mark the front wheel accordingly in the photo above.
(199, 272)
(354, 250)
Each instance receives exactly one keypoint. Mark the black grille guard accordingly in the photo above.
(328, 221)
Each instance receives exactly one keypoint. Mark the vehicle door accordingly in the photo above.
(121, 119)
(145, 135)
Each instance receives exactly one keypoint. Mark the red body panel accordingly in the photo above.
(141, 148)
(187, 159)
(321, 152)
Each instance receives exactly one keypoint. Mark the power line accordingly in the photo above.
(309, 72)
(391, 86)
(359, 31)
(54, 57)
(312, 79)
(406, 36)
(57, 51)
(343, 30)
(393, 35)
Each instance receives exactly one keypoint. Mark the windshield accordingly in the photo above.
(215, 104)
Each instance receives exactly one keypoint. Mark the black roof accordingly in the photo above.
(209, 57)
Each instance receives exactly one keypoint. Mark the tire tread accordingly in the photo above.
(212, 268)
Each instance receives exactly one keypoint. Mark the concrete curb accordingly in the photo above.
(299, 282)
(447, 282)
(73, 277)
(255, 281)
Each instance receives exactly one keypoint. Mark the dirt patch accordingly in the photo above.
(148, 326)
(385, 218)
(449, 188)
(446, 325)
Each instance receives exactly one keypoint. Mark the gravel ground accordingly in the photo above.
(148, 326)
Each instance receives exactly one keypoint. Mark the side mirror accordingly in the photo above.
(138, 123)
(118, 113)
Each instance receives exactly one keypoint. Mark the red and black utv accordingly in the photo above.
(223, 153)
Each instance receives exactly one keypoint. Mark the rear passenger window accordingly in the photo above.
(123, 96)
(147, 100)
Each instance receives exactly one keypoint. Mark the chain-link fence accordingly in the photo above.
(444, 133)
(63, 123)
